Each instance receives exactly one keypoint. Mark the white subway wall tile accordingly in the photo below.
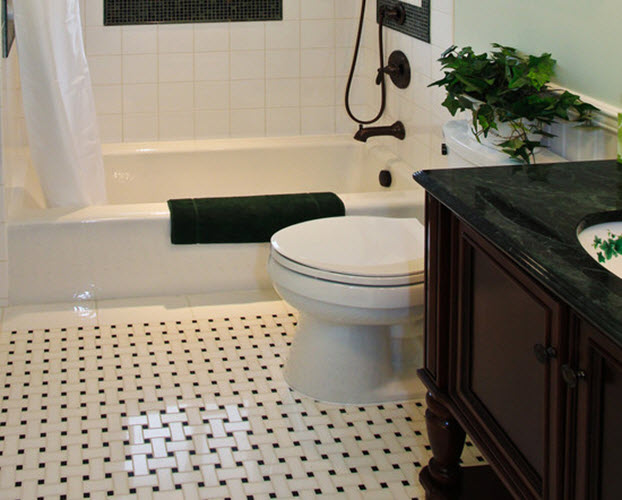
(3, 240)
(283, 121)
(283, 35)
(317, 63)
(317, 34)
(105, 70)
(110, 128)
(176, 67)
(176, 126)
(277, 72)
(108, 98)
(247, 36)
(175, 38)
(283, 93)
(247, 64)
(248, 122)
(103, 40)
(291, 9)
(141, 68)
(139, 39)
(317, 91)
(176, 97)
(4, 282)
(317, 120)
(421, 62)
(317, 9)
(211, 95)
(140, 127)
(344, 124)
(446, 6)
(345, 32)
(345, 9)
(283, 64)
(209, 123)
(247, 94)
(419, 106)
(441, 28)
(93, 12)
(211, 37)
(140, 98)
(211, 66)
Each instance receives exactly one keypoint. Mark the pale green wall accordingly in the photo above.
(584, 36)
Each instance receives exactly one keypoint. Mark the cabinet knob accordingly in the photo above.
(544, 353)
(571, 376)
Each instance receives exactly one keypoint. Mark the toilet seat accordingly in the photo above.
(354, 250)
(348, 279)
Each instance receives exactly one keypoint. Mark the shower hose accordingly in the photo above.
(383, 98)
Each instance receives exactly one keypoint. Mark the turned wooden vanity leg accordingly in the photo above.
(441, 477)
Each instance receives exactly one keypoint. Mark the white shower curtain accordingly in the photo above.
(58, 102)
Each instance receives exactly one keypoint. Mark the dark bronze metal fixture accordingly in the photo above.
(544, 353)
(384, 178)
(398, 69)
(396, 130)
(397, 14)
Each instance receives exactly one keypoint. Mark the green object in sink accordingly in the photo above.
(603, 242)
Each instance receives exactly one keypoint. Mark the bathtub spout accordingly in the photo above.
(396, 130)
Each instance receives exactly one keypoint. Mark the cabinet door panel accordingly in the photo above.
(502, 315)
(506, 323)
(611, 433)
(599, 417)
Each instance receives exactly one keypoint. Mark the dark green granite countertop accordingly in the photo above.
(532, 214)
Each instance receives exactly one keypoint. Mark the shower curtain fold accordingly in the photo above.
(58, 102)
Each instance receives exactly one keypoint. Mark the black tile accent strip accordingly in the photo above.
(124, 12)
(417, 22)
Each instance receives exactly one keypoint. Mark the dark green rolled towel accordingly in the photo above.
(246, 219)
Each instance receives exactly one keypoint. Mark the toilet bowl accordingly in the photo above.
(357, 283)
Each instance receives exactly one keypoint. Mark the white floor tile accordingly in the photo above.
(155, 403)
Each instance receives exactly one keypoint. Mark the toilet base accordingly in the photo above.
(355, 364)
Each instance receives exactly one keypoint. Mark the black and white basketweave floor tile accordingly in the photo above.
(192, 409)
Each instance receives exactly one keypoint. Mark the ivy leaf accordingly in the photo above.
(540, 70)
(452, 104)
(512, 87)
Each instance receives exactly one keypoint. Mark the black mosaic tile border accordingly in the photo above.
(417, 22)
(123, 12)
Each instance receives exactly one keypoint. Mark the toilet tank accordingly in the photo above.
(463, 149)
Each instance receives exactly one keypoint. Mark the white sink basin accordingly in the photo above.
(604, 244)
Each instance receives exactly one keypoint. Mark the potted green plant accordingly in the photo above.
(508, 95)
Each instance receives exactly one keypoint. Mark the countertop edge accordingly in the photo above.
(599, 317)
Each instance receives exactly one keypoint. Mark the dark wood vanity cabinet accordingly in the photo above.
(537, 388)
(594, 407)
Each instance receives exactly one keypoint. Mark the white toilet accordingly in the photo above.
(357, 283)
(463, 149)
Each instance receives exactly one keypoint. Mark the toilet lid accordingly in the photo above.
(378, 251)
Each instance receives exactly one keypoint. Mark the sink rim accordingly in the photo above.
(612, 266)
(599, 218)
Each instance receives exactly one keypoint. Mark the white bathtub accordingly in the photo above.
(123, 249)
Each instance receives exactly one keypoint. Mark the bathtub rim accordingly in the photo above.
(228, 143)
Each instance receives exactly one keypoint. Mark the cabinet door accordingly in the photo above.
(507, 393)
(594, 378)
